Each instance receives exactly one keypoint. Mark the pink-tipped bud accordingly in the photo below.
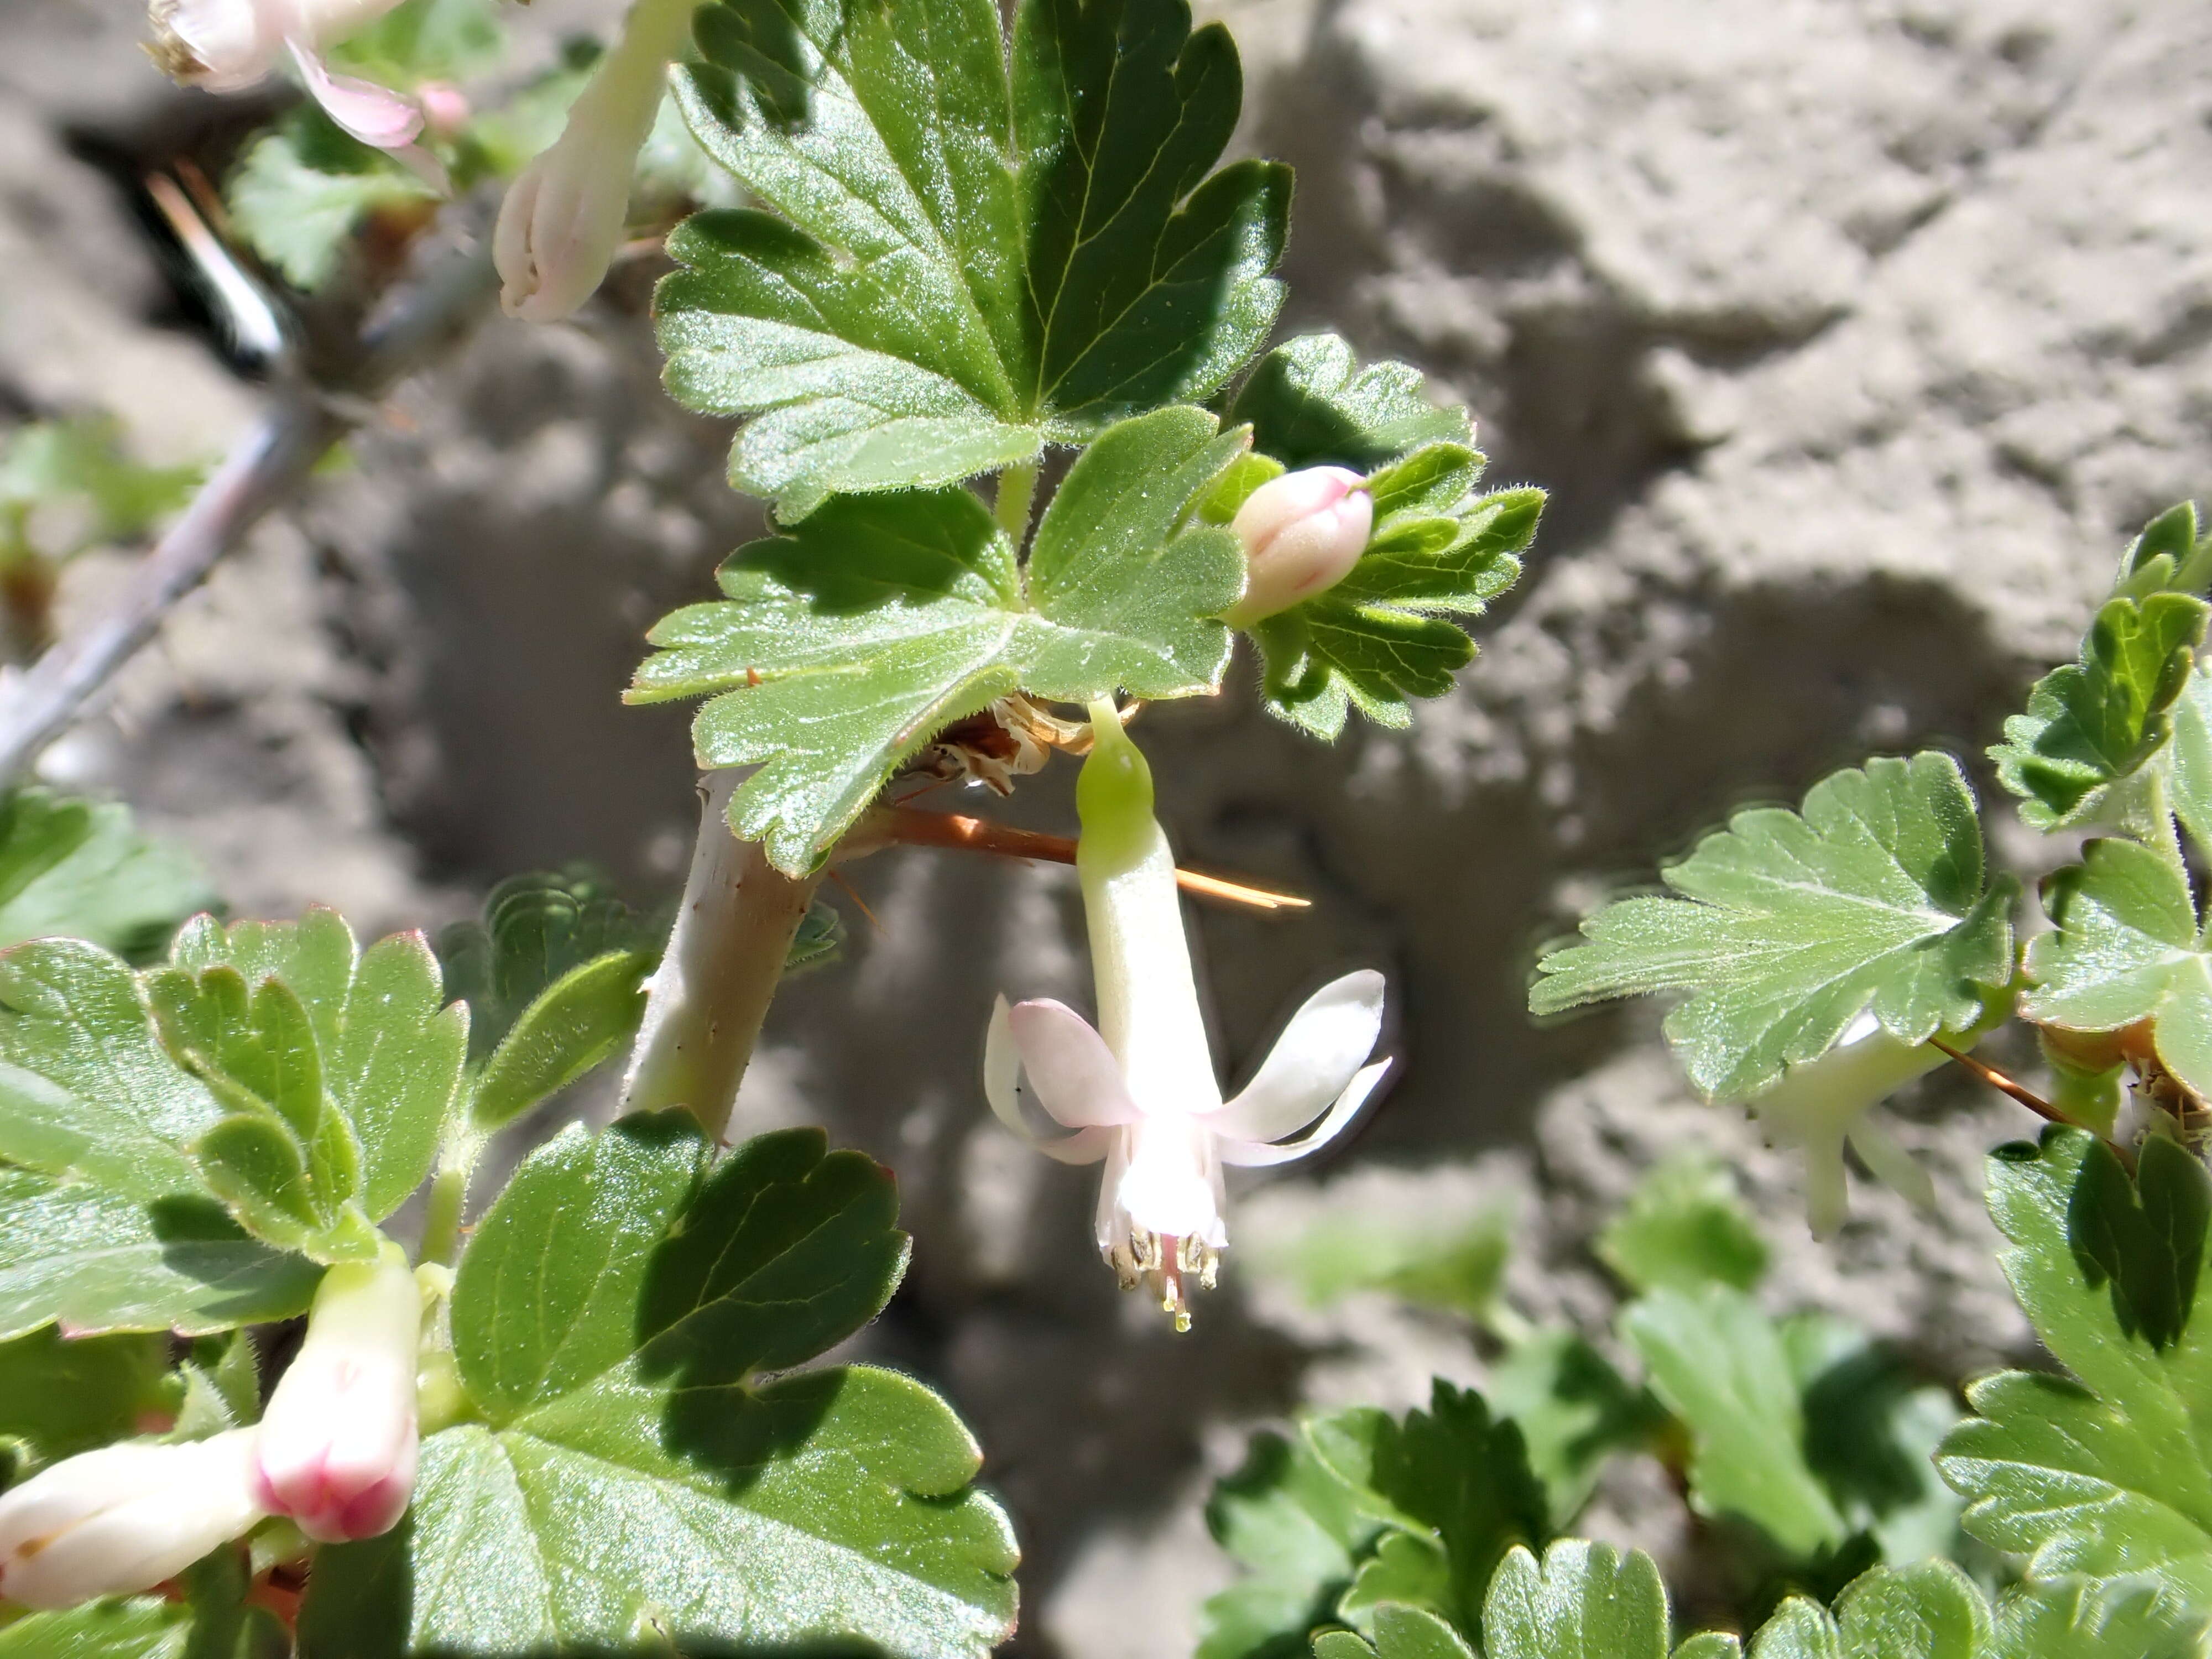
(1302, 532)
(123, 1519)
(337, 1445)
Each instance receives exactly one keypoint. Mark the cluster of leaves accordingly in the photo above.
(183, 1147)
(1806, 1450)
(1786, 928)
(1799, 1442)
(971, 246)
(71, 484)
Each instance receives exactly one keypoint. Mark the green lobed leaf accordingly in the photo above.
(2109, 1472)
(1299, 1529)
(533, 930)
(2169, 557)
(389, 1048)
(1720, 1365)
(1366, 1249)
(143, 1627)
(2080, 1618)
(1400, 1633)
(1683, 1226)
(1310, 403)
(1927, 1610)
(1799, 1629)
(847, 643)
(1872, 1428)
(633, 1473)
(1408, 1570)
(583, 1018)
(2126, 949)
(1453, 1470)
(94, 1262)
(58, 1397)
(1574, 1409)
(1789, 924)
(420, 40)
(974, 256)
(2093, 723)
(1584, 1602)
(74, 868)
(303, 187)
(2192, 783)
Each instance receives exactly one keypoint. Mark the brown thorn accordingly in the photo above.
(2027, 1098)
(909, 827)
(853, 894)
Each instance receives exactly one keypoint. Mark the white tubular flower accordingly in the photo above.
(1139, 1091)
(123, 1519)
(1821, 1104)
(1302, 532)
(337, 1445)
(226, 45)
(564, 217)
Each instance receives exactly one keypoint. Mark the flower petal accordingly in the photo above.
(1075, 1073)
(1002, 1072)
(1083, 1147)
(1111, 1226)
(1258, 1154)
(1896, 1168)
(375, 115)
(1310, 1063)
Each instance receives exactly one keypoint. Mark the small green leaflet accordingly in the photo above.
(2094, 723)
(1871, 1430)
(1301, 1531)
(90, 1260)
(2127, 948)
(553, 974)
(73, 868)
(1585, 1602)
(1438, 550)
(846, 643)
(1685, 1226)
(302, 188)
(633, 1476)
(1310, 403)
(2192, 756)
(82, 463)
(2109, 1472)
(1790, 923)
(975, 256)
(1719, 1365)
(1574, 1409)
(2170, 556)
(1400, 1632)
(2083, 1618)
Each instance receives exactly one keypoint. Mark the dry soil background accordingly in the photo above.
(1852, 338)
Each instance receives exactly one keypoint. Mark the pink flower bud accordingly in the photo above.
(337, 1445)
(1302, 533)
(123, 1518)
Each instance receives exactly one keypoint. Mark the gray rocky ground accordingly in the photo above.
(1852, 341)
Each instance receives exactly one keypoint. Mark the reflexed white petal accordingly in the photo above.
(375, 115)
(1311, 1062)
(1110, 1224)
(1070, 1067)
(1002, 1072)
(1896, 1168)
(1259, 1154)
(1827, 1202)
(1083, 1147)
(1168, 1188)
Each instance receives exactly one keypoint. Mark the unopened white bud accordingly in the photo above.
(339, 1443)
(1302, 532)
(564, 217)
(125, 1518)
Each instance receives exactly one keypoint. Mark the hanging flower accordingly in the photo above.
(563, 218)
(227, 46)
(1139, 1090)
(337, 1445)
(1302, 532)
(1828, 1101)
(123, 1519)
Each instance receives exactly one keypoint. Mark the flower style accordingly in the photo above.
(123, 1518)
(1302, 532)
(1139, 1090)
(1828, 1100)
(564, 217)
(226, 45)
(337, 1445)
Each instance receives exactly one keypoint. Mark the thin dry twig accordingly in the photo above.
(267, 467)
(2005, 1084)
